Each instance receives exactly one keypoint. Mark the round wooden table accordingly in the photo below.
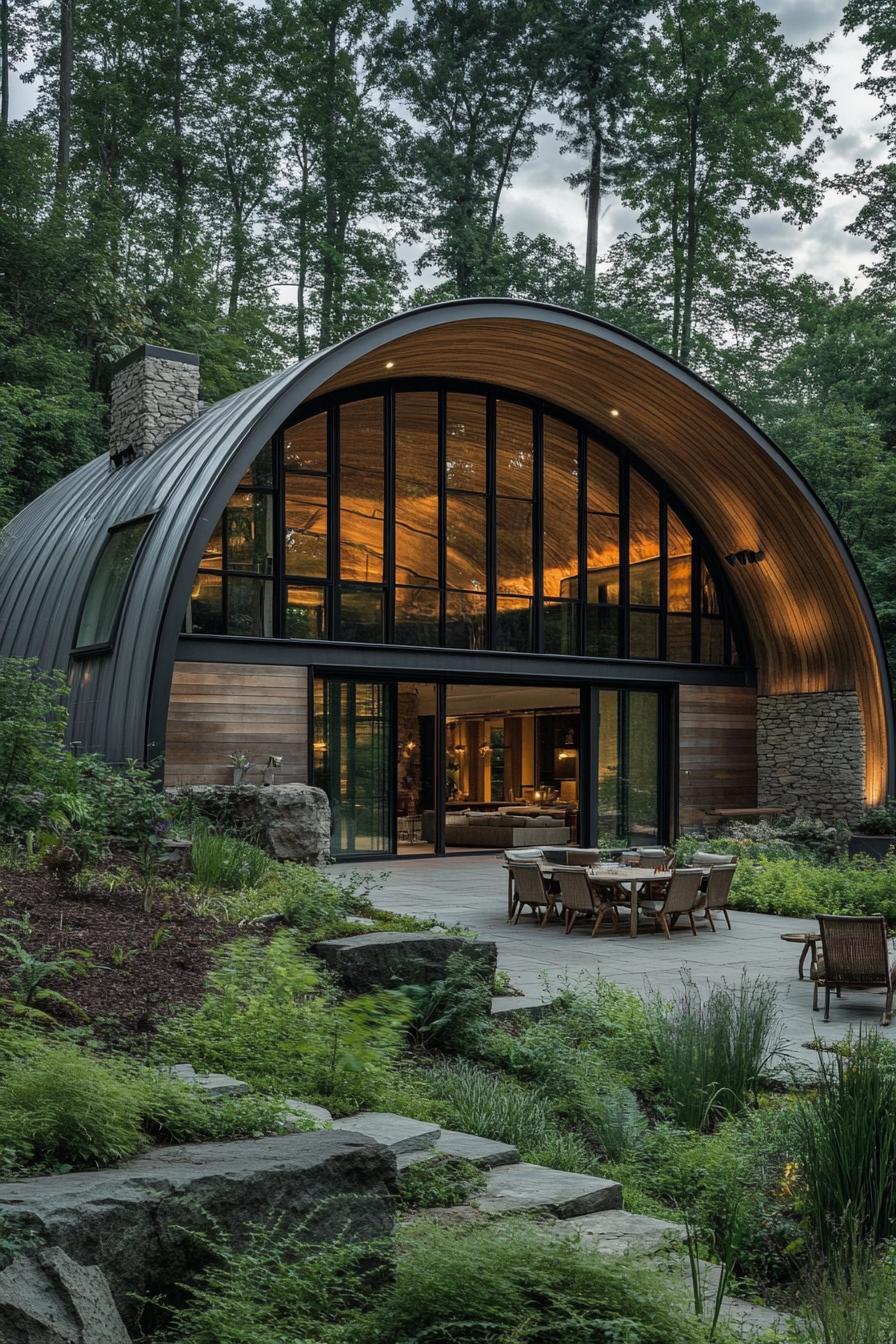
(809, 943)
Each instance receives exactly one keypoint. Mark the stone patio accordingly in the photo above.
(473, 891)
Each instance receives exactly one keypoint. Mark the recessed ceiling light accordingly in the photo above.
(614, 412)
(390, 363)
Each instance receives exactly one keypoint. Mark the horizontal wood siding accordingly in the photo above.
(220, 708)
(716, 750)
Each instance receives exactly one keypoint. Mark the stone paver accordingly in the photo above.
(526, 1188)
(319, 1114)
(397, 1132)
(472, 891)
(533, 1005)
(614, 1232)
(472, 1148)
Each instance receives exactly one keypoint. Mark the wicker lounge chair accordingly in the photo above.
(854, 955)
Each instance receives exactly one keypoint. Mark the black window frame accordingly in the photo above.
(106, 646)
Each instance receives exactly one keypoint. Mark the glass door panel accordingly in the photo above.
(628, 767)
(353, 762)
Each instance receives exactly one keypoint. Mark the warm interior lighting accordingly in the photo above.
(390, 363)
(614, 412)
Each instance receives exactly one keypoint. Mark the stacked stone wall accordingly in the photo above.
(811, 753)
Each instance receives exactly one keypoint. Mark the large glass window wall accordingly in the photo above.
(460, 518)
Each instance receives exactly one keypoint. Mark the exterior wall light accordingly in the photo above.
(745, 557)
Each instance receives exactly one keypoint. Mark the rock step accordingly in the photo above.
(486, 1153)
(397, 1132)
(526, 1188)
(503, 1005)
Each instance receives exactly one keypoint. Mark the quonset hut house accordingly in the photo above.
(487, 557)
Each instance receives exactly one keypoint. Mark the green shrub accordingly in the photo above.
(507, 1282)
(223, 863)
(52, 795)
(850, 1300)
(613, 1023)
(846, 1148)
(451, 1013)
(272, 1018)
(63, 1107)
(879, 820)
(440, 1184)
(713, 1050)
(798, 887)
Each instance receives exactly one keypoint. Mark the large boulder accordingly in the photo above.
(289, 821)
(386, 960)
(134, 1222)
(48, 1298)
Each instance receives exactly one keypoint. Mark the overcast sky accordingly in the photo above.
(539, 201)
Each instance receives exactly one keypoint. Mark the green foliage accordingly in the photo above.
(859, 886)
(221, 863)
(613, 1023)
(879, 820)
(440, 1184)
(846, 1148)
(53, 795)
(271, 1018)
(850, 1300)
(14, 1240)
(450, 1014)
(486, 1285)
(27, 970)
(713, 1050)
(65, 1107)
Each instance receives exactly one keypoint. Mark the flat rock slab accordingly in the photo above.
(396, 1132)
(368, 961)
(135, 1222)
(526, 1188)
(217, 1085)
(471, 1148)
(614, 1232)
(319, 1114)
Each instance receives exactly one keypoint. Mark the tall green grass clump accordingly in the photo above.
(272, 1018)
(223, 863)
(850, 1301)
(713, 1050)
(846, 1148)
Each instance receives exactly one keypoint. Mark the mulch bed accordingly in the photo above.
(137, 975)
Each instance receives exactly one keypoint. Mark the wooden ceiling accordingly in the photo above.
(809, 626)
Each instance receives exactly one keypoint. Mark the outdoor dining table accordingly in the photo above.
(628, 880)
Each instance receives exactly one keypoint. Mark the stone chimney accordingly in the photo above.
(154, 392)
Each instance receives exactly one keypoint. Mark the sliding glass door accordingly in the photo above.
(353, 762)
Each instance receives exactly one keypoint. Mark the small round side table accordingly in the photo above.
(809, 943)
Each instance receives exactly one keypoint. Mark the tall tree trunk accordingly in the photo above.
(593, 215)
(66, 60)
(690, 255)
(179, 166)
(4, 63)
(302, 277)
(330, 201)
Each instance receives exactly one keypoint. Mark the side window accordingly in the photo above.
(102, 604)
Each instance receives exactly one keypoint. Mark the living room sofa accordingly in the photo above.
(497, 830)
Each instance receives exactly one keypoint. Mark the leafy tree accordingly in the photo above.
(473, 76)
(728, 121)
(876, 21)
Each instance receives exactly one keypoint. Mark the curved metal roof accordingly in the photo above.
(48, 552)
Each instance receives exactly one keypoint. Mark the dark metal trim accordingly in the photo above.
(411, 662)
(155, 352)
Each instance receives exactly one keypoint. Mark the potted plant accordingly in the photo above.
(875, 834)
(241, 766)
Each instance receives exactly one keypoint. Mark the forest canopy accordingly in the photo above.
(245, 180)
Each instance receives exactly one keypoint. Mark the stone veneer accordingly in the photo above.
(811, 753)
(154, 392)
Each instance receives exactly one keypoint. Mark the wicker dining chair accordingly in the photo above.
(580, 895)
(529, 888)
(681, 897)
(716, 892)
(854, 955)
(658, 858)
